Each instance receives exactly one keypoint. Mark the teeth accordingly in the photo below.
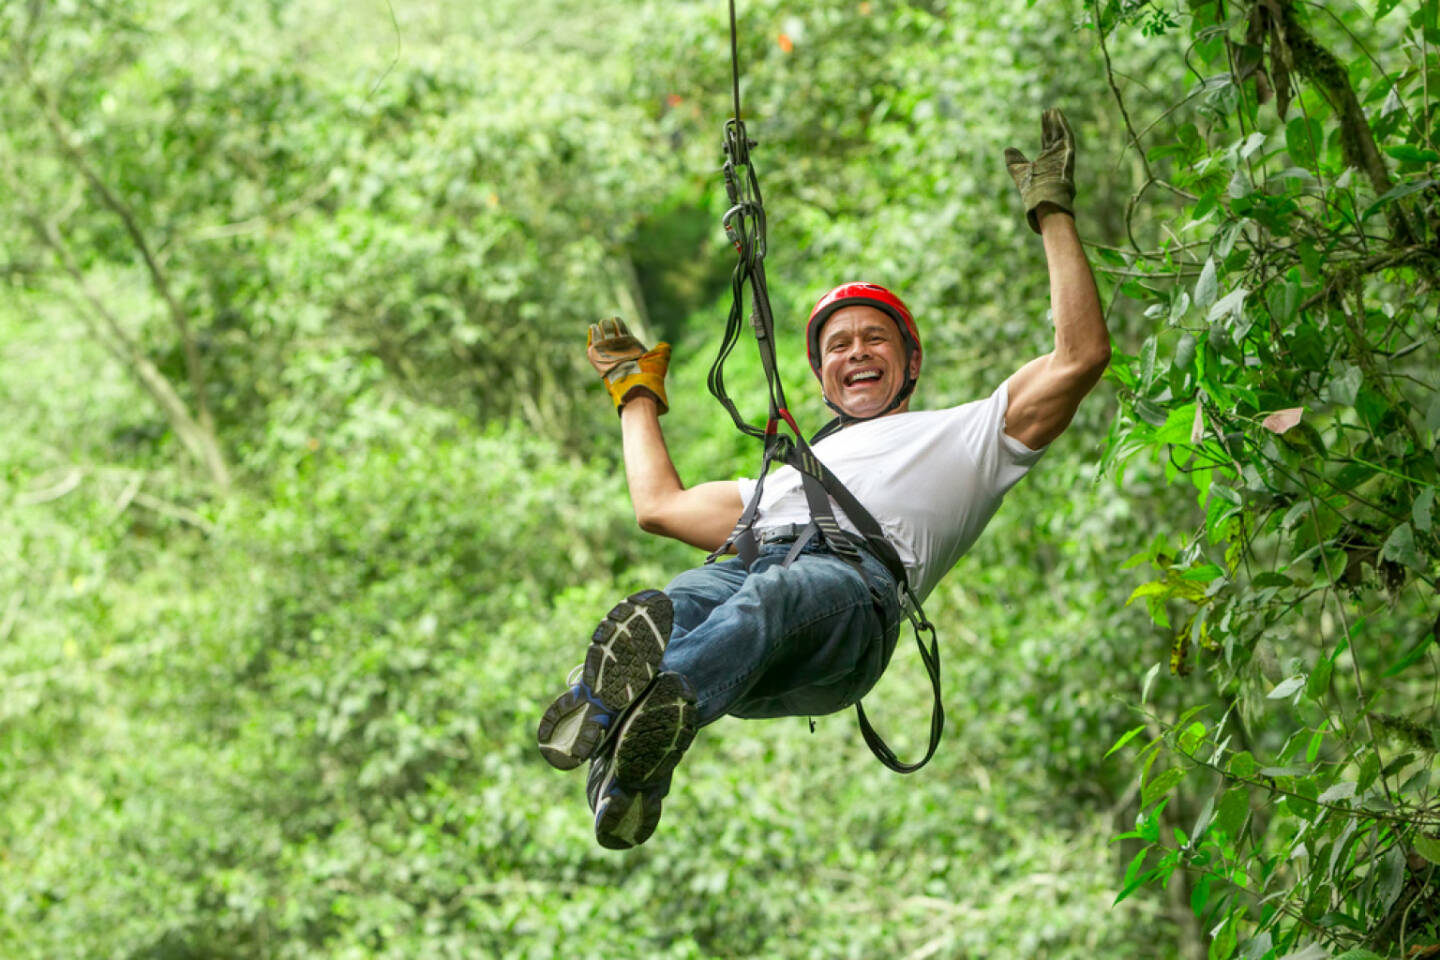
(867, 375)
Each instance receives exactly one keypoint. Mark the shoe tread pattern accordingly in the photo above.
(623, 658)
(656, 734)
(626, 648)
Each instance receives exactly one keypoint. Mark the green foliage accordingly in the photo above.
(1291, 386)
(293, 718)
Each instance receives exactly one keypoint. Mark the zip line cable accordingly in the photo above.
(744, 224)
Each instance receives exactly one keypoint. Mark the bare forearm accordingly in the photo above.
(649, 471)
(1080, 335)
(701, 516)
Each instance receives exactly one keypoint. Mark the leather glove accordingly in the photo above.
(1050, 177)
(625, 365)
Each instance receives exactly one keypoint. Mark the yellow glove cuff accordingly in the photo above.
(645, 374)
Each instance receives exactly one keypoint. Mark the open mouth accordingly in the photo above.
(862, 377)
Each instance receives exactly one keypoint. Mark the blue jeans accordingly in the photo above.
(773, 641)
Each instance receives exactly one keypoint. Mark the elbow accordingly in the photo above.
(1086, 365)
(1099, 358)
(651, 519)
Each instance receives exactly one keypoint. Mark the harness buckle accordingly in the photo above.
(785, 533)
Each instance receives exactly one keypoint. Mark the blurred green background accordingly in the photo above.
(272, 650)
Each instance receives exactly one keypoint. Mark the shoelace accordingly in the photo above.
(574, 674)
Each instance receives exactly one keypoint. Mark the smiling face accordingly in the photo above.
(862, 361)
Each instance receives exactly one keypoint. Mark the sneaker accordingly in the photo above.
(628, 781)
(623, 658)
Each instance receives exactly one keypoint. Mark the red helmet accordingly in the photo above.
(861, 294)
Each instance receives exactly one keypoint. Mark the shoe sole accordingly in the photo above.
(626, 819)
(656, 734)
(623, 658)
(648, 745)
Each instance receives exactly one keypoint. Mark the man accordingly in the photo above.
(811, 637)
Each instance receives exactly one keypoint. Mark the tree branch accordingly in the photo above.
(198, 438)
(72, 152)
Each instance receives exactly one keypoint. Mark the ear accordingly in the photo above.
(914, 364)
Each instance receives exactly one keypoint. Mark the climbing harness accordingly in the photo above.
(744, 224)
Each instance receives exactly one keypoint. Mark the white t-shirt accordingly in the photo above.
(932, 479)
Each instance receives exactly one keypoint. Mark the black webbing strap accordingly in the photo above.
(744, 224)
(819, 482)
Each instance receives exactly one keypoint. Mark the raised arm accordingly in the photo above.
(701, 516)
(1045, 393)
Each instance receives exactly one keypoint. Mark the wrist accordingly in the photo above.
(1046, 208)
(640, 401)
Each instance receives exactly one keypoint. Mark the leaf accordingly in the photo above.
(1177, 425)
(1147, 362)
(1200, 892)
(1410, 656)
(1133, 885)
(1369, 770)
(1192, 737)
(1271, 579)
(1217, 515)
(1428, 847)
(1125, 738)
(1286, 687)
(1345, 387)
(1319, 683)
(1152, 413)
(1421, 511)
(1395, 193)
(1230, 305)
(1161, 785)
(1178, 306)
(1311, 951)
(1234, 809)
(1242, 764)
(1257, 946)
(1303, 138)
(1203, 574)
(1223, 944)
(1412, 154)
(1239, 186)
(1343, 790)
(1155, 588)
(1292, 173)
(1149, 679)
(1384, 7)
(1203, 820)
(1282, 420)
(1392, 103)
(1392, 878)
(1206, 286)
(1184, 352)
(1400, 547)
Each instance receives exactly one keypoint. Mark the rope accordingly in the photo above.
(744, 225)
(734, 62)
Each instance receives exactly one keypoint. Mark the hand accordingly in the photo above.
(1050, 177)
(622, 361)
